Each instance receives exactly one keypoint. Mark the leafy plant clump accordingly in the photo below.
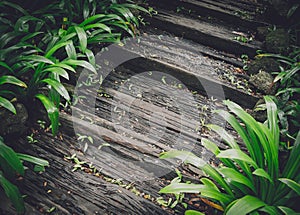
(251, 182)
(11, 165)
(288, 93)
(40, 49)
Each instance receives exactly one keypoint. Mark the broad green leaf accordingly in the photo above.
(82, 37)
(65, 66)
(11, 158)
(234, 175)
(253, 148)
(136, 7)
(190, 158)
(192, 212)
(12, 193)
(224, 135)
(211, 146)
(292, 184)
(58, 87)
(59, 71)
(91, 57)
(287, 211)
(51, 110)
(208, 192)
(7, 104)
(238, 155)
(92, 19)
(32, 159)
(207, 182)
(81, 63)
(98, 25)
(37, 58)
(270, 210)
(262, 173)
(7, 79)
(3, 64)
(245, 205)
(56, 47)
(71, 51)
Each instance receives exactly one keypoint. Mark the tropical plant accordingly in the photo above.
(248, 182)
(11, 163)
(288, 93)
(43, 46)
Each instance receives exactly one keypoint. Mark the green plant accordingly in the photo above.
(248, 182)
(178, 196)
(43, 52)
(288, 93)
(7, 79)
(11, 163)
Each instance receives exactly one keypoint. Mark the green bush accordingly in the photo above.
(39, 48)
(288, 93)
(11, 163)
(248, 182)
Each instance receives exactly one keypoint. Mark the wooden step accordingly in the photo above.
(242, 13)
(212, 35)
(181, 61)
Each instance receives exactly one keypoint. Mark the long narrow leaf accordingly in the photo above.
(7, 104)
(58, 87)
(245, 205)
(7, 79)
(51, 110)
(9, 155)
(12, 193)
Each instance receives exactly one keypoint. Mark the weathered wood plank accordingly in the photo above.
(218, 37)
(74, 192)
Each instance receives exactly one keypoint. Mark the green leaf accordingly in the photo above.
(287, 211)
(59, 71)
(224, 135)
(91, 57)
(56, 47)
(291, 184)
(7, 79)
(82, 38)
(98, 25)
(209, 183)
(234, 175)
(193, 212)
(11, 158)
(245, 205)
(81, 63)
(208, 192)
(3, 64)
(262, 173)
(92, 19)
(7, 104)
(51, 110)
(211, 146)
(32, 159)
(12, 193)
(37, 58)
(65, 66)
(190, 158)
(58, 87)
(71, 51)
(237, 154)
